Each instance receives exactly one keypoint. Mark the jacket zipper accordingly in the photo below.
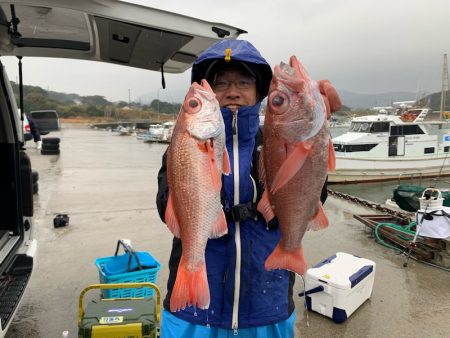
(237, 237)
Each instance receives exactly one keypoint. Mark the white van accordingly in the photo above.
(103, 30)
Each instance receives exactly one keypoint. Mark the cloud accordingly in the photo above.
(370, 46)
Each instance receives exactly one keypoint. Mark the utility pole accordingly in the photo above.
(445, 85)
(129, 97)
(157, 99)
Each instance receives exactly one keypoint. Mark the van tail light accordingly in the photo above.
(27, 128)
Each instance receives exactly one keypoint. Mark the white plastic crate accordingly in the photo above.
(339, 285)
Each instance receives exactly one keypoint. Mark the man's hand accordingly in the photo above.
(330, 97)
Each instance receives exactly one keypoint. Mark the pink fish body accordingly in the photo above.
(196, 159)
(296, 154)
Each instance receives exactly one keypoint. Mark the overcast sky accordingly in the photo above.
(363, 46)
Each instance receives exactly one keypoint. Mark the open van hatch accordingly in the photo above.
(108, 31)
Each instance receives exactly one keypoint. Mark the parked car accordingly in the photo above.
(46, 120)
(109, 31)
(26, 128)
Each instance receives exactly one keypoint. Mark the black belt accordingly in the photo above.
(245, 211)
(241, 212)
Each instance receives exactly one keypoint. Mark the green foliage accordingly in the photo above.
(165, 107)
(74, 105)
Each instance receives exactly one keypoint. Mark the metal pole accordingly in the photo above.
(445, 85)
(157, 98)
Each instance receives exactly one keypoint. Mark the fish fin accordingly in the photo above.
(292, 260)
(171, 218)
(190, 288)
(226, 166)
(320, 220)
(331, 156)
(292, 165)
(264, 206)
(220, 227)
(216, 177)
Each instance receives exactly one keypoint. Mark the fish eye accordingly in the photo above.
(192, 105)
(278, 102)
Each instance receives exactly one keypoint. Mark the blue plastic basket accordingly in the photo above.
(130, 267)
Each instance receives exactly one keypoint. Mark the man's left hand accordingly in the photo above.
(330, 97)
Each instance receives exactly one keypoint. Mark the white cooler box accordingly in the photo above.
(337, 286)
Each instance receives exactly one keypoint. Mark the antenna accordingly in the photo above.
(445, 85)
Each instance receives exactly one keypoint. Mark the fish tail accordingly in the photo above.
(191, 288)
(292, 260)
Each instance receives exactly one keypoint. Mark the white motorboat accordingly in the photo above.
(159, 132)
(385, 147)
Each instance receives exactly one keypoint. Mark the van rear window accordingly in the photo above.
(44, 114)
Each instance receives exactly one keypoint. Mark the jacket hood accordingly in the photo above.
(239, 51)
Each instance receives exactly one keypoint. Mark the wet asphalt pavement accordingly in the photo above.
(107, 185)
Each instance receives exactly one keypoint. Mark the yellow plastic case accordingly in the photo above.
(120, 317)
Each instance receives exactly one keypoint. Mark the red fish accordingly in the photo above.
(196, 159)
(297, 151)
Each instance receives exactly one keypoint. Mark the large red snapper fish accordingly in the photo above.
(196, 159)
(297, 151)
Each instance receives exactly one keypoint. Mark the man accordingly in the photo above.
(34, 130)
(246, 300)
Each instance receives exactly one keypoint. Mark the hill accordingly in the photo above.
(72, 105)
(358, 101)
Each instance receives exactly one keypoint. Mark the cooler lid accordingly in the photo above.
(342, 271)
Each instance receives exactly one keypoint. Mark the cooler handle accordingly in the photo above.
(315, 290)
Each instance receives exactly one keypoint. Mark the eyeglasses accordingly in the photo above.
(242, 83)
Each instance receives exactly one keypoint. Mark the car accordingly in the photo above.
(46, 120)
(26, 128)
(109, 31)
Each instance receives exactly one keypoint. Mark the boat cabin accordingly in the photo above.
(379, 136)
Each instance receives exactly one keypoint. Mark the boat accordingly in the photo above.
(401, 141)
(407, 197)
(159, 132)
(415, 142)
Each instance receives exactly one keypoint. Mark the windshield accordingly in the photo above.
(360, 127)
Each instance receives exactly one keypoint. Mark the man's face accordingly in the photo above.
(234, 89)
